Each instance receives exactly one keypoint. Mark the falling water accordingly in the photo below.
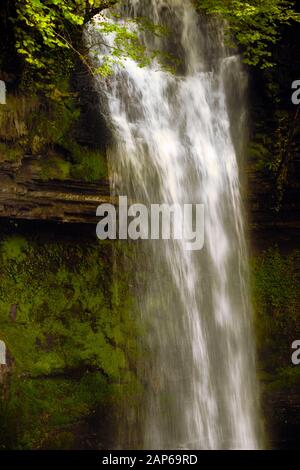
(177, 139)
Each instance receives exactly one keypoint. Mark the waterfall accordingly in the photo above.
(178, 138)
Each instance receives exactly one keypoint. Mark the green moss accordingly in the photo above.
(89, 166)
(31, 125)
(286, 378)
(14, 248)
(17, 116)
(63, 115)
(10, 152)
(71, 343)
(55, 168)
(276, 297)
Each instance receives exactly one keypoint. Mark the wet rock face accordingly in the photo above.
(273, 167)
(268, 226)
(52, 155)
(92, 127)
(25, 194)
(281, 409)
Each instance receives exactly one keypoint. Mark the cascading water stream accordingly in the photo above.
(177, 140)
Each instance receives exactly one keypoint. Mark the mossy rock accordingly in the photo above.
(68, 339)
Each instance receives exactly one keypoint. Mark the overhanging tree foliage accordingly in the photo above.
(253, 24)
(49, 34)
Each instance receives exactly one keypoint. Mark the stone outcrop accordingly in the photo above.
(24, 194)
(266, 224)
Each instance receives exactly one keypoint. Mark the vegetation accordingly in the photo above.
(276, 296)
(48, 33)
(71, 352)
(49, 36)
(254, 24)
(27, 126)
(274, 145)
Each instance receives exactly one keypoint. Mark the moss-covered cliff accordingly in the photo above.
(69, 328)
(53, 163)
(70, 333)
(272, 201)
(68, 325)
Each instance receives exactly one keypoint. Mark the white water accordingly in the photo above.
(177, 138)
